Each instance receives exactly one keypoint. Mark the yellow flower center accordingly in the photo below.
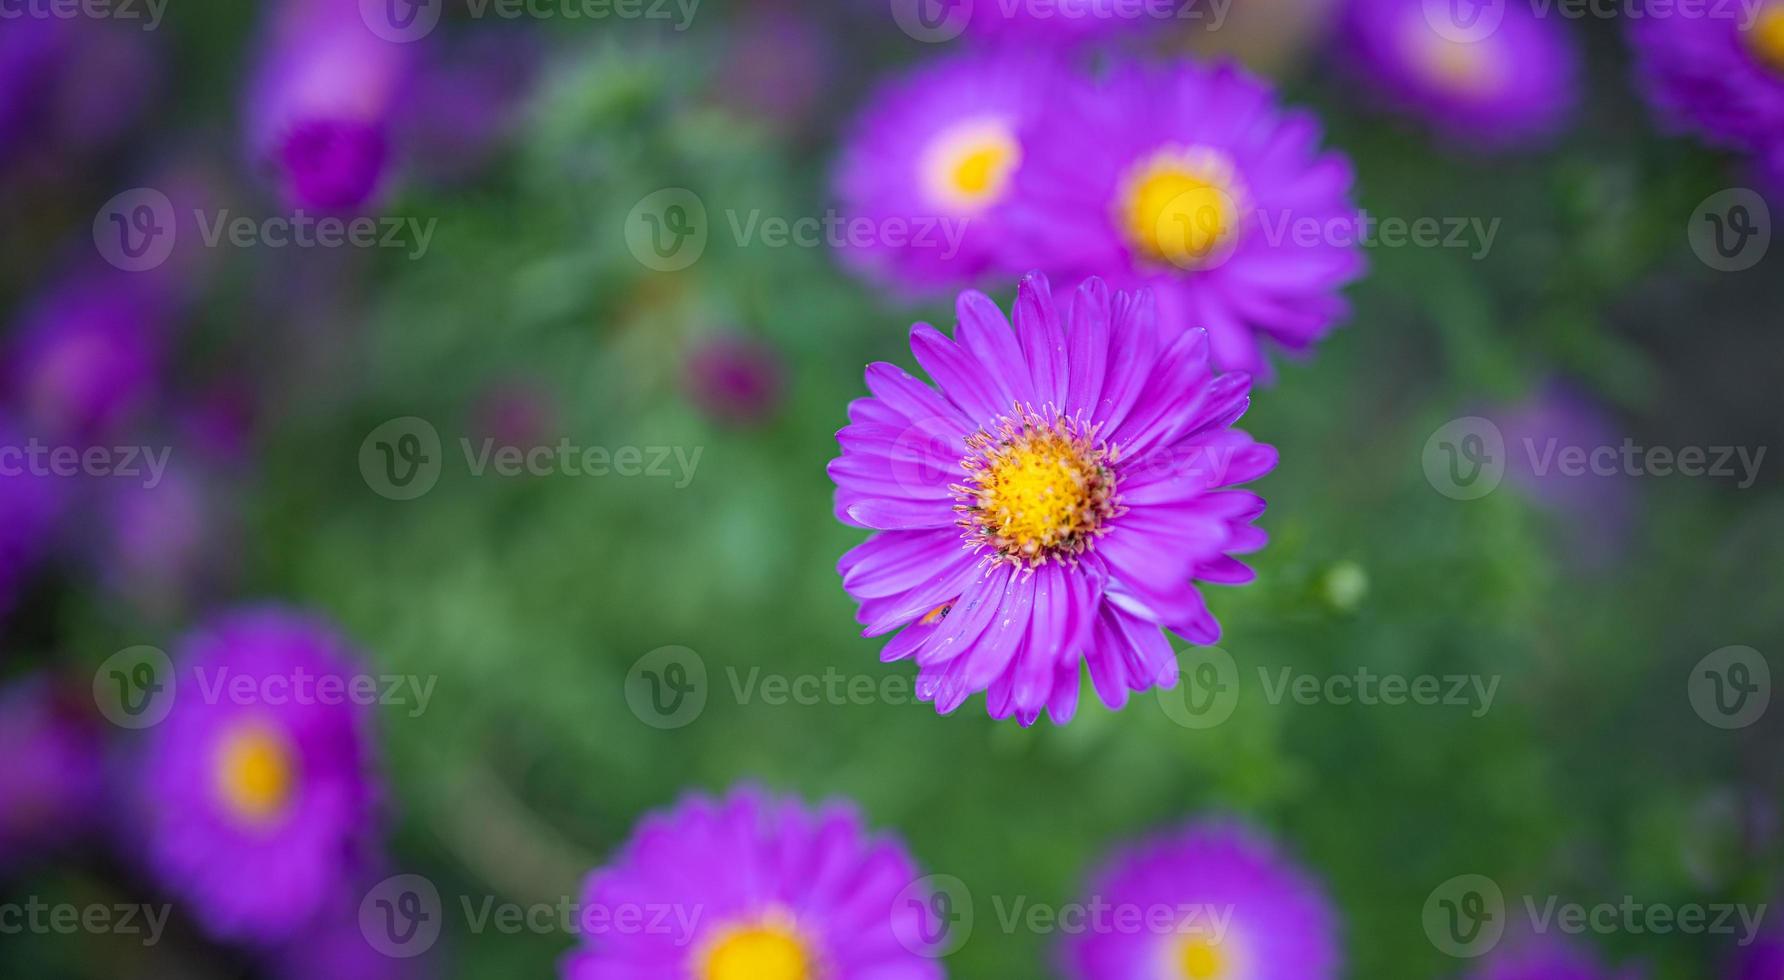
(256, 773)
(968, 168)
(1181, 206)
(1201, 959)
(1467, 67)
(769, 951)
(1039, 490)
(1766, 37)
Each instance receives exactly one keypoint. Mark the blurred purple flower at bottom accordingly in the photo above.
(1245, 912)
(53, 782)
(1543, 959)
(260, 806)
(335, 948)
(767, 888)
(87, 358)
(734, 380)
(1516, 83)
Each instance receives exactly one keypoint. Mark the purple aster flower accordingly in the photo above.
(260, 808)
(1240, 911)
(1191, 181)
(320, 111)
(31, 51)
(52, 785)
(30, 504)
(86, 359)
(1054, 498)
(766, 888)
(1717, 72)
(1547, 959)
(929, 168)
(734, 380)
(1487, 88)
(467, 101)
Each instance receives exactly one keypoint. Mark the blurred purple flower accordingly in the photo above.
(735, 380)
(1762, 959)
(768, 888)
(1710, 72)
(516, 412)
(1511, 84)
(160, 545)
(322, 110)
(260, 809)
(30, 504)
(335, 948)
(1547, 959)
(31, 50)
(1193, 182)
(72, 87)
(1597, 509)
(86, 359)
(777, 65)
(53, 783)
(928, 168)
(466, 102)
(1258, 915)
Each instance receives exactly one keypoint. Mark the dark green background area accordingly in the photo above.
(1590, 778)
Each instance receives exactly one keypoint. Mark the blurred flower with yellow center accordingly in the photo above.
(968, 167)
(1181, 206)
(1766, 37)
(1460, 66)
(1200, 958)
(256, 771)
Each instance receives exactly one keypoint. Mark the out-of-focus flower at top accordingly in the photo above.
(111, 75)
(1268, 36)
(929, 166)
(733, 379)
(1547, 959)
(1717, 72)
(336, 947)
(1491, 84)
(467, 101)
(53, 784)
(1241, 911)
(31, 52)
(1191, 181)
(755, 888)
(30, 504)
(321, 112)
(86, 358)
(260, 801)
(1598, 510)
(777, 64)
(1051, 502)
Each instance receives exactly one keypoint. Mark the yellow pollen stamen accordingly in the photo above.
(1766, 37)
(968, 167)
(1201, 959)
(1181, 207)
(1466, 67)
(1040, 491)
(766, 951)
(256, 773)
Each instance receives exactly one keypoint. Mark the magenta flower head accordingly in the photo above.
(1761, 959)
(86, 359)
(1212, 901)
(258, 789)
(1509, 77)
(52, 785)
(320, 111)
(928, 170)
(1547, 959)
(751, 887)
(1192, 182)
(1716, 71)
(735, 380)
(1052, 500)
